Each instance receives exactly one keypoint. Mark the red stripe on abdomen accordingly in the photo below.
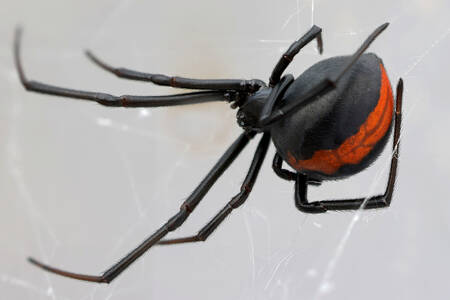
(357, 146)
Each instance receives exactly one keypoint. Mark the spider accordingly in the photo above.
(331, 122)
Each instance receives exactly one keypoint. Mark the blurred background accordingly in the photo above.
(82, 184)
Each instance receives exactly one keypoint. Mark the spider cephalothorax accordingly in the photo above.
(250, 111)
(329, 123)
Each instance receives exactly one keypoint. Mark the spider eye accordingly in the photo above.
(245, 120)
(241, 119)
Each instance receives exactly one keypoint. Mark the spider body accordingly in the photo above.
(329, 123)
(345, 130)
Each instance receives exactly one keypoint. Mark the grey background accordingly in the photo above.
(81, 184)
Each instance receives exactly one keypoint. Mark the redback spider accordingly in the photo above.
(331, 122)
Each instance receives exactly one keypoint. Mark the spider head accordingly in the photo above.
(250, 110)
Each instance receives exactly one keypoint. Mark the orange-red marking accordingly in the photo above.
(356, 147)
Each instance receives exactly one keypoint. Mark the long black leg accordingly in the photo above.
(235, 202)
(111, 100)
(173, 223)
(323, 86)
(314, 33)
(181, 82)
(379, 201)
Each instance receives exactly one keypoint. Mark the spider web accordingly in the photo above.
(82, 184)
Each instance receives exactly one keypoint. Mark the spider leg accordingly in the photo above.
(351, 204)
(278, 169)
(235, 202)
(314, 33)
(323, 86)
(180, 82)
(173, 223)
(286, 174)
(111, 100)
(275, 95)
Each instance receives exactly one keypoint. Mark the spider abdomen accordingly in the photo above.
(345, 130)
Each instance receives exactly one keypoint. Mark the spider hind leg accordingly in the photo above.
(277, 166)
(379, 201)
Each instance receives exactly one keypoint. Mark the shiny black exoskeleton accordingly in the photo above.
(329, 123)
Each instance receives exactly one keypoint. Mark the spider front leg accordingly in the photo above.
(111, 100)
(173, 223)
(301, 181)
(235, 202)
(314, 33)
(241, 85)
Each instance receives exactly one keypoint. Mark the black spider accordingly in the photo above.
(329, 123)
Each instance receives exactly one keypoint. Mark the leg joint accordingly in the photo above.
(240, 198)
(177, 220)
(186, 207)
(311, 208)
(282, 173)
(200, 237)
